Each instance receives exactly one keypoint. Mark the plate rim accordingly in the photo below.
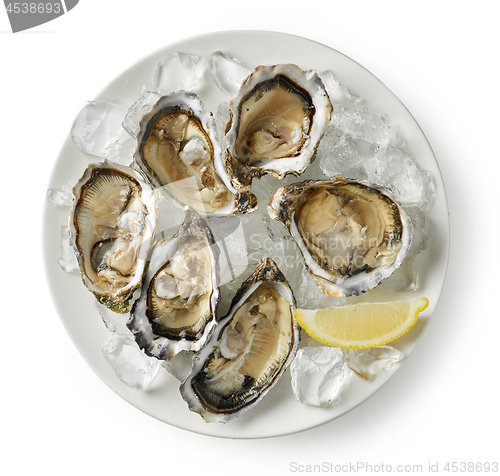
(48, 260)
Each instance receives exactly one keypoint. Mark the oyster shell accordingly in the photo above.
(177, 148)
(111, 228)
(249, 351)
(177, 307)
(276, 122)
(352, 235)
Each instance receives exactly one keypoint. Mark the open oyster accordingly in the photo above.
(249, 351)
(177, 307)
(111, 227)
(351, 234)
(177, 148)
(276, 122)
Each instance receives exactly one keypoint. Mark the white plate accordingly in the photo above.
(278, 413)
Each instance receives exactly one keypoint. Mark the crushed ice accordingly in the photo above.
(318, 375)
(130, 363)
(61, 197)
(179, 365)
(360, 143)
(177, 70)
(97, 125)
(114, 321)
(140, 107)
(368, 363)
(227, 73)
(67, 261)
(221, 119)
(121, 152)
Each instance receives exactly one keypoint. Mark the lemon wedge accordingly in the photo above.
(361, 326)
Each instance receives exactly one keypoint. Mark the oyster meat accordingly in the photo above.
(352, 235)
(177, 148)
(177, 307)
(276, 122)
(111, 228)
(250, 350)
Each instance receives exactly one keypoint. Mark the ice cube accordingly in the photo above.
(97, 125)
(67, 261)
(338, 94)
(368, 363)
(265, 187)
(150, 87)
(114, 321)
(309, 295)
(353, 137)
(405, 278)
(121, 151)
(140, 107)
(421, 231)
(176, 71)
(266, 237)
(359, 122)
(131, 364)
(62, 197)
(307, 341)
(334, 153)
(179, 365)
(357, 173)
(396, 170)
(318, 375)
(230, 238)
(221, 120)
(228, 73)
(170, 214)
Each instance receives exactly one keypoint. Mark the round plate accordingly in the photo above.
(278, 413)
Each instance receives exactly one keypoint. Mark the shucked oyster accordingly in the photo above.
(177, 148)
(111, 226)
(276, 122)
(177, 307)
(249, 351)
(351, 234)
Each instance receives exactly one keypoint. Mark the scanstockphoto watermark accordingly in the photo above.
(357, 467)
(338, 252)
(363, 467)
(26, 15)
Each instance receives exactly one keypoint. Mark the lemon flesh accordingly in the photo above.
(361, 326)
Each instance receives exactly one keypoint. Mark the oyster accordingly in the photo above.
(352, 235)
(111, 228)
(249, 351)
(276, 122)
(177, 307)
(177, 148)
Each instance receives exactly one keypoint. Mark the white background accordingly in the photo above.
(439, 58)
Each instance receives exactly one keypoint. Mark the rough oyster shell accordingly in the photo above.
(111, 228)
(250, 350)
(276, 122)
(351, 234)
(177, 148)
(177, 307)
